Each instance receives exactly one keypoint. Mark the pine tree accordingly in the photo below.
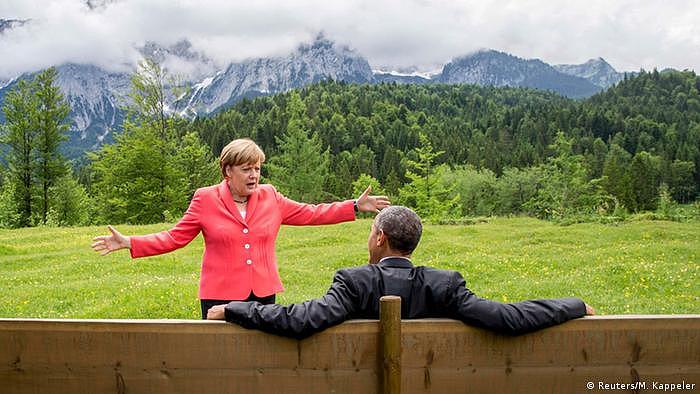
(425, 193)
(616, 179)
(20, 133)
(340, 183)
(70, 204)
(644, 173)
(680, 180)
(301, 167)
(194, 159)
(51, 130)
(9, 216)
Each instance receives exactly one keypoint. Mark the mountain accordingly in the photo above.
(322, 59)
(8, 24)
(4, 82)
(180, 59)
(97, 95)
(494, 68)
(597, 71)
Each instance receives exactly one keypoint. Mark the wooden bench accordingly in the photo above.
(436, 355)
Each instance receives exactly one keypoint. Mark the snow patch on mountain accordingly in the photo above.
(410, 72)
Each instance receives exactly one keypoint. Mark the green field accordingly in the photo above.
(635, 267)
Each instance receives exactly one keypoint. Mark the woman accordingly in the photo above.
(239, 220)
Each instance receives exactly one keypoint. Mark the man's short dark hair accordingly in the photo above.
(401, 226)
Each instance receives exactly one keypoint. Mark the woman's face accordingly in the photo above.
(243, 178)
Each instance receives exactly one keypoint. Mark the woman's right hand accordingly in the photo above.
(109, 243)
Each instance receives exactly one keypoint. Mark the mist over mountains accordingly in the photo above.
(97, 95)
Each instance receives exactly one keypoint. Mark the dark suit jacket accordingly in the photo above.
(425, 292)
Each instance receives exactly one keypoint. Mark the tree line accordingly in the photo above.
(449, 151)
(484, 150)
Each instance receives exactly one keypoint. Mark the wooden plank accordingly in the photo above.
(552, 379)
(390, 343)
(206, 380)
(438, 355)
(351, 345)
(588, 341)
(149, 349)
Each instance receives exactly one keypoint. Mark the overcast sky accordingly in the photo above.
(390, 34)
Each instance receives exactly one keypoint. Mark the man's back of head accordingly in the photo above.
(396, 231)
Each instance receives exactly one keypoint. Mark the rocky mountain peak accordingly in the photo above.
(495, 68)
(309, 63)
(180, 59)
(597, 71)
(182, 49)
(319, 43)
(95, 5)
(9, 24)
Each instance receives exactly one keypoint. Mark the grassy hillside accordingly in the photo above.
(636, 267)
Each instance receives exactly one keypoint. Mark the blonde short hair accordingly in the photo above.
(240, 151)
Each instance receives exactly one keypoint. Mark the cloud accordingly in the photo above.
(390, 33)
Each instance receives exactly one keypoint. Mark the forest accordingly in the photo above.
(464, 150)
(451, 152)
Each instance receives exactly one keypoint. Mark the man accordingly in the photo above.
(425, 292)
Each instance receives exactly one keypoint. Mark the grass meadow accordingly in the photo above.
(641, 267)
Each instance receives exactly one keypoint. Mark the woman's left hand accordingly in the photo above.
(367, 203)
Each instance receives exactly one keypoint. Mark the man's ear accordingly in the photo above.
(381, 238)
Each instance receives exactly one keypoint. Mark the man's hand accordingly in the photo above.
(589, 310)
(109, 243)
(367, 203)
(216, 312)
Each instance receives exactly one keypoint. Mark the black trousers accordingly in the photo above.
(206, 304)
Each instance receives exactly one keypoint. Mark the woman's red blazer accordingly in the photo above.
(239, 254)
